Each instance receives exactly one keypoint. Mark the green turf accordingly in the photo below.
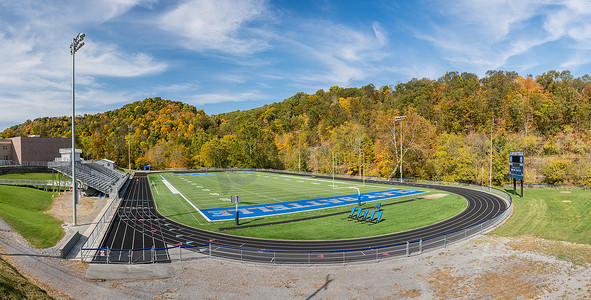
(22, 208)
(272, 188)
(542, 213)
(28, 176)
(14, 286)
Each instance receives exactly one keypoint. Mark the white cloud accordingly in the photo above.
(109, 60)
(220, 25)
(37, 65)
(342, 54)
(485, 35)
(201, 99)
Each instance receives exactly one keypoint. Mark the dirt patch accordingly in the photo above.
(576, 254)
(433, 196)
(566, 201)
(86, 210)
(565, 192)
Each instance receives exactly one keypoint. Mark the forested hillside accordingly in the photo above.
(446, 134)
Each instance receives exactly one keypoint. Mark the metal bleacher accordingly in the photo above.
(96, 176)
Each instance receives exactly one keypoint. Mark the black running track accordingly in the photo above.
(137, 224)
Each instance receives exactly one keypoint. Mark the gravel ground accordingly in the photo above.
(485, 267)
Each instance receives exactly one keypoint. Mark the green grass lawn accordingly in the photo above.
(14, 286)
(551, 214)
(22, 208)
(28, 176)
(214, 191)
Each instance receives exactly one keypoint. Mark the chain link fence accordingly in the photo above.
(264, 256)
(318, 257)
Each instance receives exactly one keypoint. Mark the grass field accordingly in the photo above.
(551, 214)
(28, 176)
(22, 208)
(14, 286)
(214, 191)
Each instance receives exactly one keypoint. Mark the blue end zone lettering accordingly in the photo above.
(195, 174)
(261, 210)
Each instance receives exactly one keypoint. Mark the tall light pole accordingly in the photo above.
(400, 118)
(491, 155)
(76, 44)
(299, 153)
(129, 146)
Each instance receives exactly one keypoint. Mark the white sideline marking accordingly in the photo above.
(175, 191)
(170, 187)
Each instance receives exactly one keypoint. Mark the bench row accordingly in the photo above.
(366, 216)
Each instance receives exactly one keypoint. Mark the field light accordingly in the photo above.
(76, 44)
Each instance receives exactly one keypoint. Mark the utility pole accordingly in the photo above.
(299, 153)
(129, 146)
(400, 118)
(491, 154)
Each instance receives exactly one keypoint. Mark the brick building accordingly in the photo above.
(19, 150)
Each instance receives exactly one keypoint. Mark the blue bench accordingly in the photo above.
(364, 215)
(358, 213)
(373, 213)
(352, 212)
(379, 218)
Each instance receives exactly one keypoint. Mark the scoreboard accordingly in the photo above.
(516, 165)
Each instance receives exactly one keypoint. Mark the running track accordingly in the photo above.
(137, 224)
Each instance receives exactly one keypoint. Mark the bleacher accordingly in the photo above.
(91, 174)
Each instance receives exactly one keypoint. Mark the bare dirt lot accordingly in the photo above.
(485, 267)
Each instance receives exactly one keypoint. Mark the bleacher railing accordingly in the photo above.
(317, 257)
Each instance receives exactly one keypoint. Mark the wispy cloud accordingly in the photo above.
(340, 53)
(219, 25)
(36, 63)
(211, 98)
(482, 35)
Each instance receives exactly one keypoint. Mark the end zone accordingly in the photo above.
(261, 210)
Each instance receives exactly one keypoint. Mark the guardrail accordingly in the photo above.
(408, 248)
(325, 257)
(35, 182)
(97, 232)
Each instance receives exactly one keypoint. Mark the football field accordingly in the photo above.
(265, 194)
(203, 200)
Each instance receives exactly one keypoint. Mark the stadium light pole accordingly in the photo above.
(76, 44)
(299, 153)
(129, 147)
(400, 118)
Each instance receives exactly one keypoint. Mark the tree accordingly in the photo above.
(417, 140)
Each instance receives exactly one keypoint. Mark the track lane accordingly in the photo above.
(142, 218)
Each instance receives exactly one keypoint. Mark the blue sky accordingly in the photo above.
(223, 55)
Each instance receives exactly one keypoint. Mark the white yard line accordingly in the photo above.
(248, 191)
(175, 191)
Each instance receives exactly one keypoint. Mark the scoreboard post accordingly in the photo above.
(517, 169)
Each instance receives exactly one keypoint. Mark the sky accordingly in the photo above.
(224, 55)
